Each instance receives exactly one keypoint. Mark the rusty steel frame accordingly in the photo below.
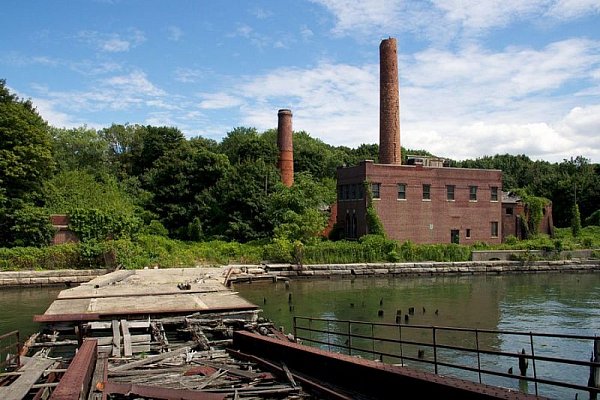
(365, 377)
(75, 383)
(157, 392)
(313, 384)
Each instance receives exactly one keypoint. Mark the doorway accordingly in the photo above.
(454, 236)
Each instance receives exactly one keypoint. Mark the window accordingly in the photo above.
(345, 192)
(494, 231)
(360, 191)
(402, 191)
(473, 193)
(509, 211)
(494, 193)
(468, 234)
(376, 190)
(449, 192)
(352, 191)
(426, 192)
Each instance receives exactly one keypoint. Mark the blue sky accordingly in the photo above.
(476, 77)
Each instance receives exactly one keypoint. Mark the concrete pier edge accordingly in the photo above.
(238, 272)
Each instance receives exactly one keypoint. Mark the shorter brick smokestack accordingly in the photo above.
(286, 147)
(389, 104)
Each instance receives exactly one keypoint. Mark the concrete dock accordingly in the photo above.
(171, 291)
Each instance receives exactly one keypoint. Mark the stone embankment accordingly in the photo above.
(286, 271)
(65, 277)
(236, 273)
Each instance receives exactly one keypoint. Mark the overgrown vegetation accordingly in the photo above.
(160, 251)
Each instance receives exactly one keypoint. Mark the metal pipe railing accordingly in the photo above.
(353, 340)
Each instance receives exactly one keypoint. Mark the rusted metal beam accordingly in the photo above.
(309, 384)
(45, 318)
(157, 392)
(75, 383)
(374, 379)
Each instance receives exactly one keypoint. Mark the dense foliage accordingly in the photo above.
(160, 197)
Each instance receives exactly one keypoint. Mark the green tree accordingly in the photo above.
(80, 149)
(25, 163)
(315, 157)
(301, 211)
(25, 148)
(246, 144)
(240, 201)
(124, 147)
(180, 182)
(81, 189)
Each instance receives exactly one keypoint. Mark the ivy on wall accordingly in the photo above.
(374, 224)
(94, 224)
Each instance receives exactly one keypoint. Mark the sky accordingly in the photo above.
(476, 78)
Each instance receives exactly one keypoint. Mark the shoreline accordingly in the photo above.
(267, 271)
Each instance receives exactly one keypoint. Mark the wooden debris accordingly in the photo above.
(31, 372)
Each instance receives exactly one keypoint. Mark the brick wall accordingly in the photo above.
(426, 221)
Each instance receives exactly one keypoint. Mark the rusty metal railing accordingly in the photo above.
(470, 354)
(10, 349)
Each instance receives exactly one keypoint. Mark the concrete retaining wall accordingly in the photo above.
(46, 278)
(285, 271)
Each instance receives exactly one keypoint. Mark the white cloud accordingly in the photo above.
(188, 75)
(135, 83)
(306, 32)
(261, 13)
(218, 101)
(174, 33)
(568, 9)
(113, 42)
(444, 18)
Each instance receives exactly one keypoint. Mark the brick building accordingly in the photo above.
(423, 204)
(423, 201)
(515, 213)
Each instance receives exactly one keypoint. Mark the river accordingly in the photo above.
(544, 302)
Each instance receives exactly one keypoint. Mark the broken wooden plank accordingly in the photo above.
(127, 352)
(95, 325)
(146, 371)
(151, 359)
(99, 377)
(135, 339)
(116, 342)
(31, 372)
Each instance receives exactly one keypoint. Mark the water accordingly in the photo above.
(538, 303)
(548, 302)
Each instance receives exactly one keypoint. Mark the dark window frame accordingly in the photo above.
(376, 190)
(426, 191)
(494, 193)
(450, 191)
(401, 193)
(472, 193)
(494, 229)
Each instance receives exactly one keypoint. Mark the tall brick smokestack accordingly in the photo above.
(389, 104)
(286, 147)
